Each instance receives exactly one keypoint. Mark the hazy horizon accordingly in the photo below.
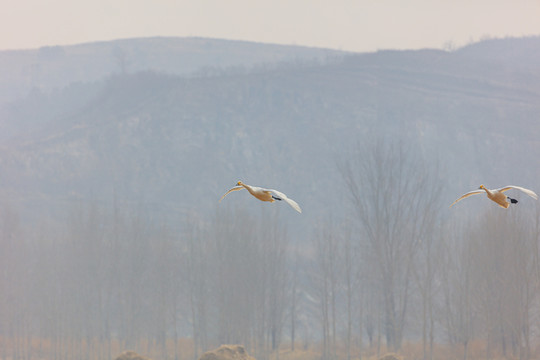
(351, 26)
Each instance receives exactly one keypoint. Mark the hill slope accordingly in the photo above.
(173, 145)
(53, 67)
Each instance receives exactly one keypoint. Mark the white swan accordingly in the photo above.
(270, 195)
(497, 195)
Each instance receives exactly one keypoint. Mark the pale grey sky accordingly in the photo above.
(354, 25)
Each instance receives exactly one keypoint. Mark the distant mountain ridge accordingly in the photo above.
(52, 67)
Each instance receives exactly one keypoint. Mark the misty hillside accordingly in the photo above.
(53, 67)
(173, 145)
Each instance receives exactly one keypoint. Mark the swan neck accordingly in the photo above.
(248, 188)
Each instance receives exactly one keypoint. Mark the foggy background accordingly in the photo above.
(114, 155)
(351, 25)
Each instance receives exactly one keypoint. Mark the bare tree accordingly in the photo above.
(392, 192)
(249, 281)
(198, 283)
(273, 241)
(504, 277)
(458, 315)
(14, 311)
(349, 260)
(426, 271)
(294, 299)
(324, 282)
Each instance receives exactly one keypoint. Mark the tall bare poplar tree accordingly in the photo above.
(392, 192)
(325, 283)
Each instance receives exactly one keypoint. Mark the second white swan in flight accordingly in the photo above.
(497, 195)
(262, 194)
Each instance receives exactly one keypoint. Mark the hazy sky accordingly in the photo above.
(355, 25)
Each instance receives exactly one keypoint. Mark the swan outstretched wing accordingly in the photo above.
(526, 191)
(474, 192)
(282, 196)
(236, 188)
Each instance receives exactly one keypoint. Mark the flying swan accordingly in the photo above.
(264, 194)
(497, 195)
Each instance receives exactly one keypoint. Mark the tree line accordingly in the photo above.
(395, 269)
